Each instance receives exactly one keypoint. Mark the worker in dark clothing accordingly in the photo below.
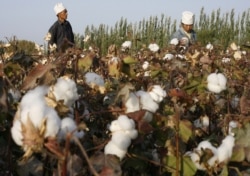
(61, 33)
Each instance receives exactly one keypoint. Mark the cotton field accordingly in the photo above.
(143, 111)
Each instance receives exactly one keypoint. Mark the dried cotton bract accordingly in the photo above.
(216, 82)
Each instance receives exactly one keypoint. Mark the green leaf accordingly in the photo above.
(224, 171)
(238, 153)
(186, 165)
(129, 60)
(185, 130)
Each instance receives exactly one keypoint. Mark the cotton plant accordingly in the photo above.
(216, 82)
(37, 118)
(215, 156)
(123, 132)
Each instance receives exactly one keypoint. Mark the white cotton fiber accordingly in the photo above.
(225, 149)
(132, 104)
(112, 149)
(16, 132)
(93, 78)
(125, 123)
(67, 126)
(114, 126)
(53, 122)
(131, 133)
(121, 140)
(147, 102)
(65, 89)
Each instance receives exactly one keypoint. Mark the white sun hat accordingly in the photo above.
(59, 8)
(187, 18)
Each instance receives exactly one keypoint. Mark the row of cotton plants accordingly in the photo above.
(37, 118)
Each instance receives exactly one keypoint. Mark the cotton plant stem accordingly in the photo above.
(177, 123)
(92, 169)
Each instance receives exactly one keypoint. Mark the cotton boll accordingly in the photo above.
(125, 123)
(157, 98)
(65, 89)
(147, 102)
(112, 149)
(206, 145)
(53, 123)
(132, 104)
(93, 78)
(225, 149)
(115, 126)
(16, 132)
(131, 133)
(212, 78)
(222, 81)
(127, 44)
(33, 95)
(158, 90)
(36, 112)
(168, 56)
(145, 65)
(209, 46)
(68, 125)
(121, 140)
(214, 88)
(174, 41)
(196, 160)
(153, 47)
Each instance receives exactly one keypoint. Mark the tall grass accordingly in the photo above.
(216, 28)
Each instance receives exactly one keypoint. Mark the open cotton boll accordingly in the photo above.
(147, 102)
(225, 150)
(159, 90)
(65, 89)
(115, 126)
(127, 44)
(157, 98)
(168, 56)
(53, 122)
(222, 80)
(216, 82)
(121, 140)
(132, 104)
(67, 126)
(153, 47)
(206, 145)
(214, 88)
(145, 65)
(112, 149)
(33, 95)
(36, 112)
(16, 132)
(126, 123)
(174, 41)
(212, 78)
(93, 78)
(195, 157)
(131, 133)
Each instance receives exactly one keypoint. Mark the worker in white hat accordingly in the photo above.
(185, 34)
(61, 31)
